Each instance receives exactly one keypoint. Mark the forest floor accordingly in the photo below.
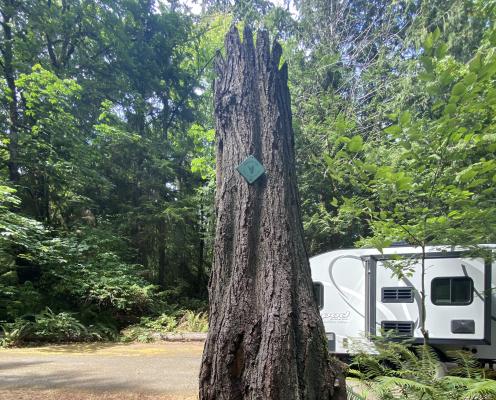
(155, 371)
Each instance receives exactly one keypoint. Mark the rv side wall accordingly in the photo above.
(456, 313)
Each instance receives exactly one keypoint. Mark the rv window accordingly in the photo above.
(456, 291)
(318, 291)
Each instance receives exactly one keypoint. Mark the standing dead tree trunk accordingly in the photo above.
(266, 339)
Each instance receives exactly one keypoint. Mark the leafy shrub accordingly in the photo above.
(75, 271)
(48, 326)
(61, 327)
(13, 333)
(164, 323)
(89, 272)
(352, 395)
(147, 328)
(403, 371)
(193, 322)
(19, 236)
(101, 331)
(136, 333)
(173, 301)
(176, 321)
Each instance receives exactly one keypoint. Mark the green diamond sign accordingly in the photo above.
(251, 169)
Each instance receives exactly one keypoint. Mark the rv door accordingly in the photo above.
(457, 300)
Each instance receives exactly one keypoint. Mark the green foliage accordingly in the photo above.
(48, 326)
(13, 333)
(178, 321)
(441, 162)
(99, 206)
(85, 268)
(148, 328)
(352, 395)
(394, 136)
(401, 371)
(75, 272)
(193, 322)
(20, 233)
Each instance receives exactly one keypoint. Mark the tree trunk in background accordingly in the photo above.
(9, 74)
(266, 338)
(200, 276)
(162, 260)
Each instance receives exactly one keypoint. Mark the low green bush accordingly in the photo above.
(193, 322)
(403, 371)
(57, 327)
(48, 326)
(176, 321)
(13, 333)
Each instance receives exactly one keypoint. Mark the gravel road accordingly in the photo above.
(101, 371)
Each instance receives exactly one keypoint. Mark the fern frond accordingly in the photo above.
(456, 381)
(352, 395)
(355, 373)
(484, 389)
(389, 384)
(466, 364)
(370, 366)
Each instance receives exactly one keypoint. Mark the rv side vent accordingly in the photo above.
(400, 328)
(397, 294)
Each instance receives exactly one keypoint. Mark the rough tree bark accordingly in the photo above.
(266, 339)
(9, 73)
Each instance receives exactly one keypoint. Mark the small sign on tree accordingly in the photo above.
(266, 338)
(251, 169)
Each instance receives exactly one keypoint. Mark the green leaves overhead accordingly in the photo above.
(416, 166)
(445, 170)
(405, 117)
(355, 144)
(458, 89)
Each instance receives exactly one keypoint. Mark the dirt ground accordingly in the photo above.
(28, 394)
(157, 371)
(154, 371)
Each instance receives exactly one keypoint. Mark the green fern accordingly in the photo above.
(470, 388)
(193, 322)
(13, 333)
(466, 365)
(352, 395)
(402, 371)
(390, 385)
(484, 389)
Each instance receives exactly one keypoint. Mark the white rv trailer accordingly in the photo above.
(359, 298)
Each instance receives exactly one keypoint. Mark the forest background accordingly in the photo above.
(107, 170)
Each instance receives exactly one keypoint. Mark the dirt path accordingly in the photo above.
(164, 371)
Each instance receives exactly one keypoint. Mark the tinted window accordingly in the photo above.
(452, 291)
(318, 291)
(441, 291)
(461, 290)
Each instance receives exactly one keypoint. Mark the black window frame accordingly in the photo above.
(319, 298)
(451, 279)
